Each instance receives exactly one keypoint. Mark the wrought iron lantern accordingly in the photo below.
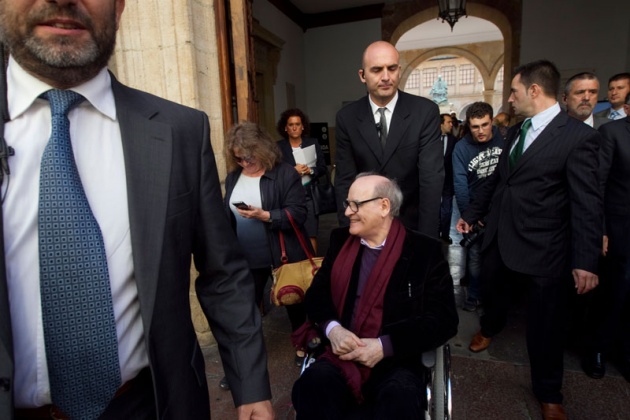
(451, 11)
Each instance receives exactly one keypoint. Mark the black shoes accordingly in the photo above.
(223, 384)
(594, 365)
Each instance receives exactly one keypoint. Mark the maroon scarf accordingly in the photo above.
(368, 317)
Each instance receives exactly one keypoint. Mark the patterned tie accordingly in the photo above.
(383, 124)
(518, 149)
(613, 115)
(77, 312)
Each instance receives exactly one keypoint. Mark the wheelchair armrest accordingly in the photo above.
(428, 358)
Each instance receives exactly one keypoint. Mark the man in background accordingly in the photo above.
(474, 159)
(618, 89)
(580, 97)
(502, 122)
(611, 312)
(395, 134)
(446, 208)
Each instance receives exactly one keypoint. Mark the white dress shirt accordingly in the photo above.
(621, 113)
(97, 146)
(539, 122)
(389, 110)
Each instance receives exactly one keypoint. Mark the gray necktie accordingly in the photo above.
(77, 312)
(383, 125)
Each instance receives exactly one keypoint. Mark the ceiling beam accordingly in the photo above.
(314, 20)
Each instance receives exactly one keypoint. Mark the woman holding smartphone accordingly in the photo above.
(258, 189)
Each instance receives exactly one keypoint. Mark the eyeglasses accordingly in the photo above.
(247, 159)
(354, 205)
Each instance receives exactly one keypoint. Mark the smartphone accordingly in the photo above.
(241, 205)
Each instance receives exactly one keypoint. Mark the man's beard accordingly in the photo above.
(60, 59)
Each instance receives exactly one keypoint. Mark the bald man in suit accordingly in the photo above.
(403, 144)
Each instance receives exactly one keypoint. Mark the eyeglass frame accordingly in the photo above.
(348, 203)
(246, 159)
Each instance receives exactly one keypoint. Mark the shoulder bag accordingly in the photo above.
(291, 280)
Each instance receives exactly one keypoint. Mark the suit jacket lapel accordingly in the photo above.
(368, 131)
(6, 338)
(543, 140)
(397, 128)
(147, 147)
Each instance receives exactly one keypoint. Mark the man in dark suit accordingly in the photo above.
(148, 172)
(382, 297)
(395, 134)
(446, 208)
(618, 88)
(612, 298)
(543, 225)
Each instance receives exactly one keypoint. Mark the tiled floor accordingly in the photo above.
(493, 384)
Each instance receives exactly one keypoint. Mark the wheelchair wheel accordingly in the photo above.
(441, 402)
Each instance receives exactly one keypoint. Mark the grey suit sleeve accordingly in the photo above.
(430, 173)
(225, 290)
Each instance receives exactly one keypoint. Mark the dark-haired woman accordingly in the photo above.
(306, 157)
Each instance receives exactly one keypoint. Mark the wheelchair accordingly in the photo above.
(439, 403)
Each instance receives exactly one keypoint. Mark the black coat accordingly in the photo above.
(280, 189)
(419, 306)
(287, 155)
(413, 155)
(546, 212)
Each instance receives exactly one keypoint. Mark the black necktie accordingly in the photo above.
(383, 124)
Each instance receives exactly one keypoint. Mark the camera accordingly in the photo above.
(475, 233)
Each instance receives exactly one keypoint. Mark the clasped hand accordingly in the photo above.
(349, 347)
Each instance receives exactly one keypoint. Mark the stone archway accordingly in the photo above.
(401, 17)
(488, 73)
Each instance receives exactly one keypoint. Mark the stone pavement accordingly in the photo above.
(493, 384)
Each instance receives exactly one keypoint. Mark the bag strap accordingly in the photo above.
(283, 258)
(300, 237)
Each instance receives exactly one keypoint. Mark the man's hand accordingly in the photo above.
(343, 341)
(260, 410)
(462, 226)
(369, 355)
(584, 281)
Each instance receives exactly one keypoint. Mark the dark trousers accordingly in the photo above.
(446, 212)
(610, 311)
(546, 312)
(322, 393)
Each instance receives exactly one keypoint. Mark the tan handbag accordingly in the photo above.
(291, 280)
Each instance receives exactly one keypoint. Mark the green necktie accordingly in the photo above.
(518, 149)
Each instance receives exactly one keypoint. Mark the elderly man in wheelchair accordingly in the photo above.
(382, 297)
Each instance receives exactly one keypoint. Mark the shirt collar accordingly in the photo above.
(590, 120)
(390, 105)
(543, 118)
(378, 247)
(24, 89)
(620, 111)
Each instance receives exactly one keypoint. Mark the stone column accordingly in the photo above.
(169, 48)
